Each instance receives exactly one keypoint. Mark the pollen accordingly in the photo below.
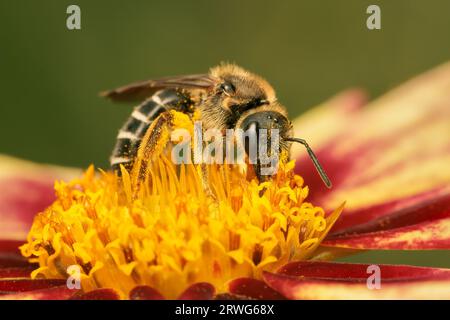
(174, 233)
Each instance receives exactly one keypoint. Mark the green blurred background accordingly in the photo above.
(309, 50)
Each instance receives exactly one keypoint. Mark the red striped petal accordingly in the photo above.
(352, 271)
(322, 280)
(10, 256)
(23, 272)
(388, 155)
(198, 291)
(424, 225)
(429, 205)
(21, 285)
(20, 199)
(255, 289)
(321, 124)
(10, 246)
(302, 289)
(427, 235)
(12, 260)
(25, 189)
(55, 293)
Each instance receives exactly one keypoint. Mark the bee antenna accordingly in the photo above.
(314, 159)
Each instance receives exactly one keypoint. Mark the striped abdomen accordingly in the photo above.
(134, 129)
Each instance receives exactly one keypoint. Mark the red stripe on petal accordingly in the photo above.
(25, 189)
(22, 285)
(198, 291)
(353, 272)
(12, 260)
(56, 293)
(424, 211)
(337, 169)
(255, 289)
(304, 288)
(10, 255)
(433, 200)
(10, 245)
(16, 272)
(422, 236)
(20, 200)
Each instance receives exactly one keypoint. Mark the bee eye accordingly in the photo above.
(227, 88)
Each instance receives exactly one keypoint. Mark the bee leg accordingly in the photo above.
(153, 144)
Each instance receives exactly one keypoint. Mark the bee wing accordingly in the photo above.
(138, 91)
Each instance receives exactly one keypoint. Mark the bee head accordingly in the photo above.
(264, 139)
(268, 120)
(267, 137)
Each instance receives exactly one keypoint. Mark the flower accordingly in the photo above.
(387, 160)
(173, 234)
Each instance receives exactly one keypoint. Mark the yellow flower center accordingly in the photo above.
(173, 233)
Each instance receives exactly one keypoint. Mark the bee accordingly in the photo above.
(228, 97)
